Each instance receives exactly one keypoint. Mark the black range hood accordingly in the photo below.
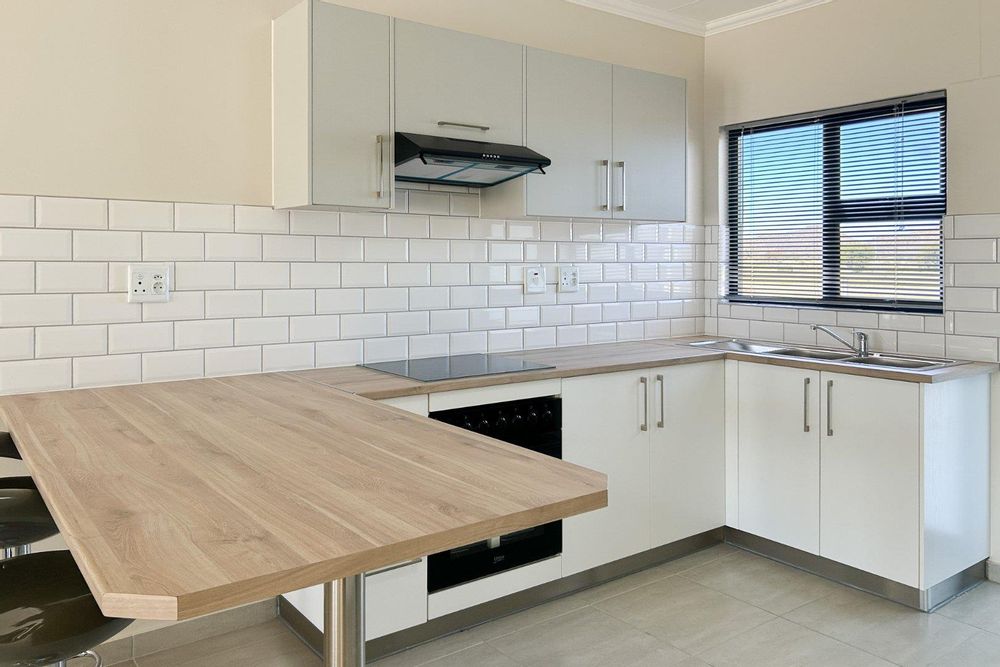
(422, 158)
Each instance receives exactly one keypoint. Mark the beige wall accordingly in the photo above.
(851, 51)
(170, 100)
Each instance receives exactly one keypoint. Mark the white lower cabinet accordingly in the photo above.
(659, 437)
(886, 476)
(778, 462)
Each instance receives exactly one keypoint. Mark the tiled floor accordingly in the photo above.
(720, 606)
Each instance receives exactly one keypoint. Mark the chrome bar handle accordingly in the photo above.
(644, 426)
(805, 405)
(659, 380)
(607, 185)
(621, 163)
(829, 407)
(470, 126)
(380, 149)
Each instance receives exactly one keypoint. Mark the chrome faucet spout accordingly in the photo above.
(859, 347)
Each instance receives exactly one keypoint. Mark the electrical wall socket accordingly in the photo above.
(534, 280)
(569, 279)
(148, 283)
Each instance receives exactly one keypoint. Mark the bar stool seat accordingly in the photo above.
(47, 613)
(23, 516)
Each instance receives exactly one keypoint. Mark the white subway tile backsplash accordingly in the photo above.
(571, 335)
(17, 344)
(141, 215)
(233, 303)
(18, 278)
(468, 342)
(106, 371)
(429, 250)
(232, 247)
(164, 246)
(315, 274)
(104, 309)
(140, 337)
(261, 220)
(602, 333)
(202, 334)
(70, 213)
(378, 300)
(35, 244)
(203, 218)
(976, 227)
(409, 275)
(408, 324)
(402, 225)
(17, 211)
(971, 250)
(181, 365)
(362, 224)
(386, 349)
(631, 331)
(463, 204)
(204, 276)
(482, 319)
(260, 330)
(449, 227)
(431, 345)
(340, 249)
(18, 377)
(232, 361)
(340, 301)
(363, 325)
(974, 348)
(288, 357)
(971, 298)
(262, 275)
(67, 277)
(340, 353)
(448, 321)
(78, 341)
(20, 310)
(182, 306)
(364, 275)
(310, 328)
(385, 250)
(432, 203)
(106, 246)
(449, 274)
(289, 302)
(469, 251)
(538, 337)
(288, 248)
(315, 223)
(555, 230)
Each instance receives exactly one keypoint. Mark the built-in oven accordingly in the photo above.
(532, 423)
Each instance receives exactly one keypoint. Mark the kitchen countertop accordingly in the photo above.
(609, 358)
(182, 498)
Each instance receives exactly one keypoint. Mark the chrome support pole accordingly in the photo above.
(344, 622)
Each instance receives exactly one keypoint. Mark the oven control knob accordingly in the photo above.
(532, 418)
(517, 419)
(547, 416)
(467, 423)
(484, 425)
(501, 423)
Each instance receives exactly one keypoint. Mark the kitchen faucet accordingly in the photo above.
(860, 337)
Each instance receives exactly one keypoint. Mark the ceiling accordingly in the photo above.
(700, 17)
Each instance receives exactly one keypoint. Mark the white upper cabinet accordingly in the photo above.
(650, 125)
(569, 122)
(453, 84)
(332, 105)
(617, 138)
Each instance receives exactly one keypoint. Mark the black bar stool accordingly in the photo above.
(47, 614)
(24, 519)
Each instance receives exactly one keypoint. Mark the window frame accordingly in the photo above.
(835, 209)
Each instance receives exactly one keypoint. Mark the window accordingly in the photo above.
(839, 210)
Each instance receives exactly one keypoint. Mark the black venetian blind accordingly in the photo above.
(841, 209)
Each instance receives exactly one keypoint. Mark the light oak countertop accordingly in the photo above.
(182, 498)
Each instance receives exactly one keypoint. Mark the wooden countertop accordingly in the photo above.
(608, 358)
(182, 498)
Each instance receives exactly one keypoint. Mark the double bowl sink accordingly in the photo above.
(876, 360)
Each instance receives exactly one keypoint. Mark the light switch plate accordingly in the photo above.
(534, 280)
(569, 279)
(149, 283)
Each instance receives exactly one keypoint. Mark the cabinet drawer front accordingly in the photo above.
(443, 76)
(395, 599)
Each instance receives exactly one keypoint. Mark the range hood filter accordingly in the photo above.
(422, 158)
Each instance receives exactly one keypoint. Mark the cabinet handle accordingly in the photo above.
(644, 426)
(621, 163)
(380, 151)
(829, 407)
(805, 405)
(471, 126)
(607, 185)
(659, 380)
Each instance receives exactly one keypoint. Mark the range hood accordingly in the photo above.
(422, 158)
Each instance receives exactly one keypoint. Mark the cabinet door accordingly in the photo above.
(351, 107)
(870, 480)
(687, 451)
(602, 419)
(452, 77)
(779, 425)
(569, 121)
(650, 140)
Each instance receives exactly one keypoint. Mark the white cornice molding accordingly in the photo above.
(762, 13)
(666, 19)
(634, 10)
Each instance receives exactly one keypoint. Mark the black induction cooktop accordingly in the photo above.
(457, 366)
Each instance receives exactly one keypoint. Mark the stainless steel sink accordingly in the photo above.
(812, 353)
(899, 362)
(736, 345)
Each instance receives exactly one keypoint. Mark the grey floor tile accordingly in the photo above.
(779, 643)
(587, 638)
(686, 614)
(762, 582)
(980, 650)
(204, 627)
(697, 559)
(269, 644)
(482, 655)
(979, 607)
(886, 629)
(434, 650)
